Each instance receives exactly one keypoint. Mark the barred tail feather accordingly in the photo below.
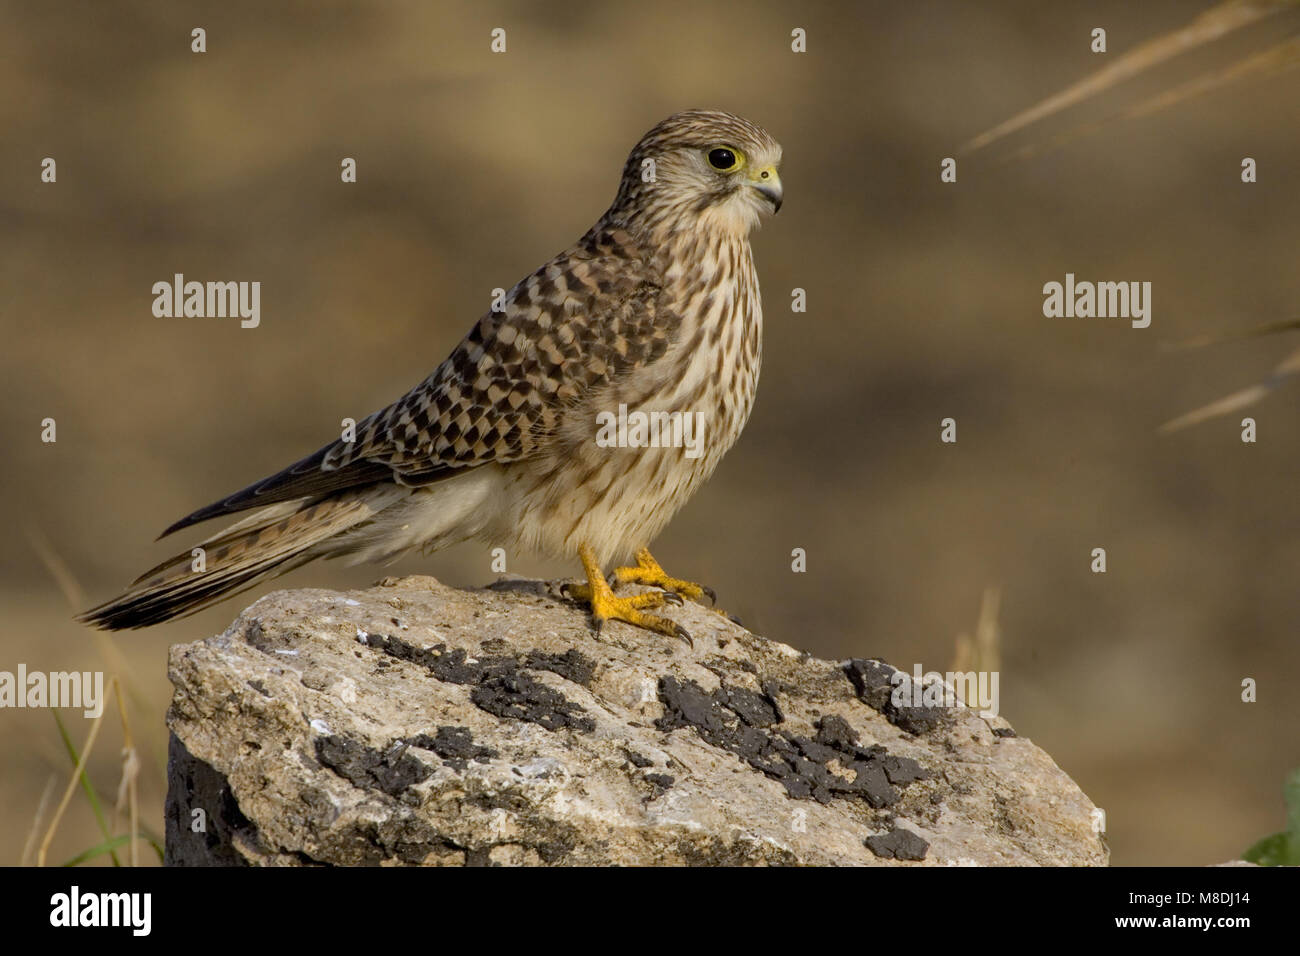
(266, 544)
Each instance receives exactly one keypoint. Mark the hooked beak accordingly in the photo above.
(768, 184)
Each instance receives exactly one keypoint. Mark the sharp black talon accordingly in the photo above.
(734, 620)
(713, 595)
(672, 597)
(684, 634)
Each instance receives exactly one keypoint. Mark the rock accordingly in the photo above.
(413, 723)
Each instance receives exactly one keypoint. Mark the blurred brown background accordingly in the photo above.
(924, 301)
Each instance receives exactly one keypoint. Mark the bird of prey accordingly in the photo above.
(654, 311)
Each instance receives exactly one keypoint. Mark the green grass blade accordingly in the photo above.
(106, 847)
(86, 785)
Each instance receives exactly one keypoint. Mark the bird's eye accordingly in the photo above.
(723, 159)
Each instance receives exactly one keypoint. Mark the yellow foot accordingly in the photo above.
(648, 572)
(605, 606)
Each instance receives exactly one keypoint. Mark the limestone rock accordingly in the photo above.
(413, 723)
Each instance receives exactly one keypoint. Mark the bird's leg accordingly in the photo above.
(605, 606)
(649, 573)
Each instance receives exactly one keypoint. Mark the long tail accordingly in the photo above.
(268, 543)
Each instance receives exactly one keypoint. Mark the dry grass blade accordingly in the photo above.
(127, 789)
(983, 653)
(58, 569)
(1209, 26)
(72, 591)
(95, 725)
(1282, 57)
(1238, 400)
(1275, 60)
(25, 859)
(1200, 341)
(1224, 406)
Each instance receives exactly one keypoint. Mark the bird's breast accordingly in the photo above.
(635, 453)
(719, 347)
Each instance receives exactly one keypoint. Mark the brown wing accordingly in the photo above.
(579, 322)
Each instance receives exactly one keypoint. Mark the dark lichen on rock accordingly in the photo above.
(736, 720)
(391, 772)
(455, 745)
(898, 844)
(875, 683)
(500, 684)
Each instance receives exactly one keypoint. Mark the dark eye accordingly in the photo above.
(721, 158)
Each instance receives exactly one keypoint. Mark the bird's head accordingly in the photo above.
(701, 169)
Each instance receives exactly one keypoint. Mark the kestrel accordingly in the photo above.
(651, 317)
